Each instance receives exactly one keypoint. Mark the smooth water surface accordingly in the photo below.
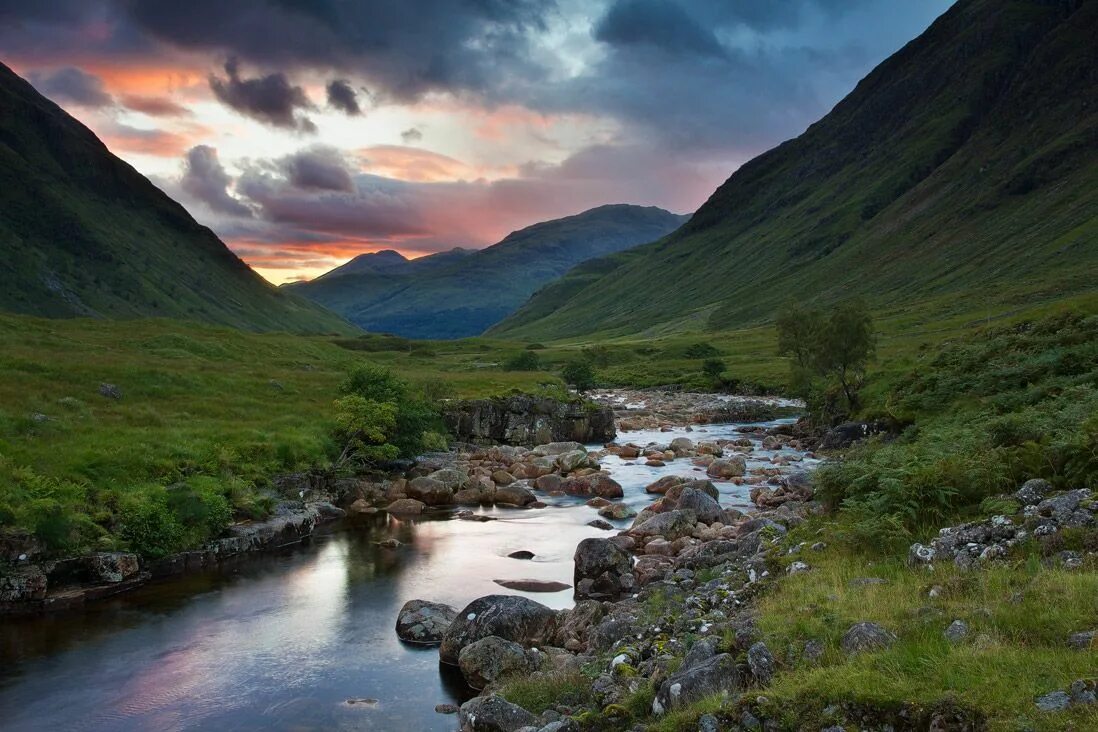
(283, 641)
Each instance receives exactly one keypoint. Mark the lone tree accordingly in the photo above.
(579, 375)
(713, 368)
(828, 349)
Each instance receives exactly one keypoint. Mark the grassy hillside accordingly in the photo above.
(960, 176)
(463, 295)
(84, 234)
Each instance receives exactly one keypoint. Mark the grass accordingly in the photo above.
(1015, 652)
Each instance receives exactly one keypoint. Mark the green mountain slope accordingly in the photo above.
(961, 175)
(474, 291)
(84, 234)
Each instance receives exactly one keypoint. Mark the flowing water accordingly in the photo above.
(286, 641)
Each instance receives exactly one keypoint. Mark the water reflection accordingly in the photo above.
(281, 642)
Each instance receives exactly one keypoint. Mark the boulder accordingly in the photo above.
(514, 495)
(617, 511)
(113, 567)
(502, 477)
(532, 585)
(662, 485)
(420, 621)
(406, 506)
(866, 636)
(705, 486)
(761, 662)
(715, 675)
(452, 478)
(574, 460)
(670, 525)
(682, 445)
(23, 584)
(548, 483)
(603, 570)
(524, 419)
(487, 660)
(1033, 491)
(733, 467)
(430, 491)
(596, 484)
(557, 448)
(510, 617)
(493, 714)
(705, 508)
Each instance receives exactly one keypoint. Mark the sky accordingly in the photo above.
(305, 132)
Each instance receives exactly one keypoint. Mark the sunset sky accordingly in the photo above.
(305, 132)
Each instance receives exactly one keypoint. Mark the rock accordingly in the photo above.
(674, 493)
(548, 483)
(919, 555)
(493, 714)
(510, 617)
(515, 495)
(420, 621)
(617, 511)
(1055, 701)
(845, 435)
(866, 636)
(1033, 491)
(596, 484)
(390, 543)
(671, 525)
(430, 491)
(797, 568)
(956, 632)
(110, 391)
(600, 524)
(574, 460)
(532, 585)
(113, 566)
(524, 419)
(733, 467)
(705, 508)
(1082, 691)
(502, 477)
(557, 448)
(361, 507)
(446, 708)
(602, 570)
(406, 506)
(682, 445)
(708, 723)
(662, 485)
(761, 663)
(521, 554)
(487, 660)
(1083, 640)
(450, 477)
(713, 676)
(23, 584)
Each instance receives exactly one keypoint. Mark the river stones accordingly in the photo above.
(682, 446)
(733, 467)
(510, 617)
(670, 525)
(662, 485)
(493, 713)
(406, 506)
(603, 571)
(532, 585)
(514, 495)
(549, 483)
(521, 554)
(596, 484)
(616, 511)
(423, 622)
(706, 509)
(557, 448)
(489, 659)
(430, 491)
(574, 460)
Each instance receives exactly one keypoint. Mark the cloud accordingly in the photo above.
(317, 169)
(154, 106)
(661, 24)
(270, 99)
(73, 86)
(342, 96)
(410, 135)
(205, 179)
(158, 143)
(413, 164)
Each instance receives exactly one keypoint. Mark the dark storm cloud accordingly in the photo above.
(317, 169)
(660, 23)
(71, 85)
(343, 97)
(271, 99)
(205, 179)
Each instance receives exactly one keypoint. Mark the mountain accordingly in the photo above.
(389, 262)
(465, 292)
(960, 174)
(84, 234)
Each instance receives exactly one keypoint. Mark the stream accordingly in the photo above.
(286, 641)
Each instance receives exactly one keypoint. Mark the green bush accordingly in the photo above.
(150, 528)
(523, 361)
(378, 417)
(579, 375)
(701, 350)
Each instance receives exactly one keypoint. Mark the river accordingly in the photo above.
(284, 641)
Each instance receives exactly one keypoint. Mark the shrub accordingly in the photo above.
(713, 368)
(379, 419)
(701, 350)
(579, 375)
(523, 361)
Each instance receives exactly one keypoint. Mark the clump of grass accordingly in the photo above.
(538, 692)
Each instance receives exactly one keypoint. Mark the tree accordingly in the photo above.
(579, 375)
(378, 418)
(523, 361)
(713, 368)
(827, 348)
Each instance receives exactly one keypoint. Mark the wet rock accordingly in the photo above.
(596, 484)
(713, 676)
(515, 495)
(113, 566)
(557, 448)
(489, 659)
(574, 460)
(452, 478)
(510, 617)
(866, 636)
(662, 485)
(408, 506)
(532, 585)
(705, 508)
(446, 708)
(682, 446)
(617, 511)
(733, 467)
(493, 714)
(602, 570)
(521, 554)
(502, 477)
(600, 524)
(420, 621)
(548, 483)
(671, 525)
(430, 491)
